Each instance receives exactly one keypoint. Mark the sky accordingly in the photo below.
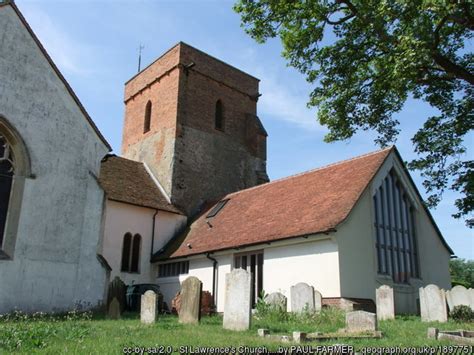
(95, 44)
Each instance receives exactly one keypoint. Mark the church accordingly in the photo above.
(189, 194)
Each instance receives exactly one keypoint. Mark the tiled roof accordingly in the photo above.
(128, 181)
(313, 202)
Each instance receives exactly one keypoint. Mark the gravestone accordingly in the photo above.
(276, 300)
(385, 303)
(114, 309)
(318, 300)
(148, 307)
(117, 289)
(471, 297)
(189, 312)
(458, 295)
(237, 305)
(433, 304)
(361, 321)
(302, 297)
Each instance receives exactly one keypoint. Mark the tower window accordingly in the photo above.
(147, 120)
(219, 116)
(131, 253)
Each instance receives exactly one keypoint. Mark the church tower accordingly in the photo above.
(192, 119)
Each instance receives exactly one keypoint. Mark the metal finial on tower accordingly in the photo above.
(140, 56)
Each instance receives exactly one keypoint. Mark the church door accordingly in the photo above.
(253, 263)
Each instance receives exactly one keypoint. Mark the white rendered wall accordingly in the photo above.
(55, 265)
(122, 218)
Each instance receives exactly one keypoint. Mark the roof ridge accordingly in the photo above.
(312, 170)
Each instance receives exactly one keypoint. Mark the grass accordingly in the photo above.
(83, 334)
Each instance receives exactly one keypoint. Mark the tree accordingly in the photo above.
(367, 57)
(462, 272)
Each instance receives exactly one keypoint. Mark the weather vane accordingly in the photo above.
(140, 56)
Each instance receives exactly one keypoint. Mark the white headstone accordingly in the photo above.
(385, 303)
(318, 300)
(433, 304)
(276, 300)
(148, 307)
(471, 298)
(459, 295)
(237, 304)
(302, 297)
(361, 321)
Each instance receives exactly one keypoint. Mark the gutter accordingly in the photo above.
(214, 279)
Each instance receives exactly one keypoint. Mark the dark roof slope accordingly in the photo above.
(313, 202)
(56, 70)
(128, 181)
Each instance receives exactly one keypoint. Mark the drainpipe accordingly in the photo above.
(214, 272)
(153, 235)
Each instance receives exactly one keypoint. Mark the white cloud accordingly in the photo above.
(67, 53)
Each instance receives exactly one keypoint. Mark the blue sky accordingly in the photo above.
(95, 45)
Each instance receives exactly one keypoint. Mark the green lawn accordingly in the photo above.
(84, 335)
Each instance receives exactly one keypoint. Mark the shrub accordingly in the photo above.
(462, 313)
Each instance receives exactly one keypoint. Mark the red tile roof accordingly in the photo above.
(128, 181)
(313, 202)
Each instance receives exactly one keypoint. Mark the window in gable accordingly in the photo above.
(147, 120)
(217, 208)
(397, 252)
(219, 116)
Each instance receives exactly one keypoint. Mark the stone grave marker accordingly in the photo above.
(190, 310)
(302, 297)
(276, 300)
(433, 304)
(114, 309)
(237, 304)
(361, 321)
(318, 300)
(385, 303)
(458, 295)
(148, 307)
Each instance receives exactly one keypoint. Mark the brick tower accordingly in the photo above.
(192, 119)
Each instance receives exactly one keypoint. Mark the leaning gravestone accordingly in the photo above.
(318, 300)
(433, 304)
(276, 300)
(459, 295)
(114, 309)
(148, 307)
(361, 321)
(302, 297)
(237, 305)
(385, 303)
(189, 312)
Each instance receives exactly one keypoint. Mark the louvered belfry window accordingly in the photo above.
(397, 250)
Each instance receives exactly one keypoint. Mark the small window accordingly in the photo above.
(6, 179)
(217, 208)
(219, 116)
(147, 120)
(173, 269)
(131, 253)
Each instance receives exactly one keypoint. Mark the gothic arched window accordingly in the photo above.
(219, 116)
(7, 169)
(126, 248)
(147, 120)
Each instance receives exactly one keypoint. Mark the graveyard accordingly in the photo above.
(266, 327)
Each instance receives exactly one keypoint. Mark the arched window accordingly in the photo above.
(137, 241)
(14, 170)
(219, 116)
(147, 121)
(131, 252)
(126, 248)
(7, 169)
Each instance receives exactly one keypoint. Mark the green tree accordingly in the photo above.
(462, 272)
(366, 57)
